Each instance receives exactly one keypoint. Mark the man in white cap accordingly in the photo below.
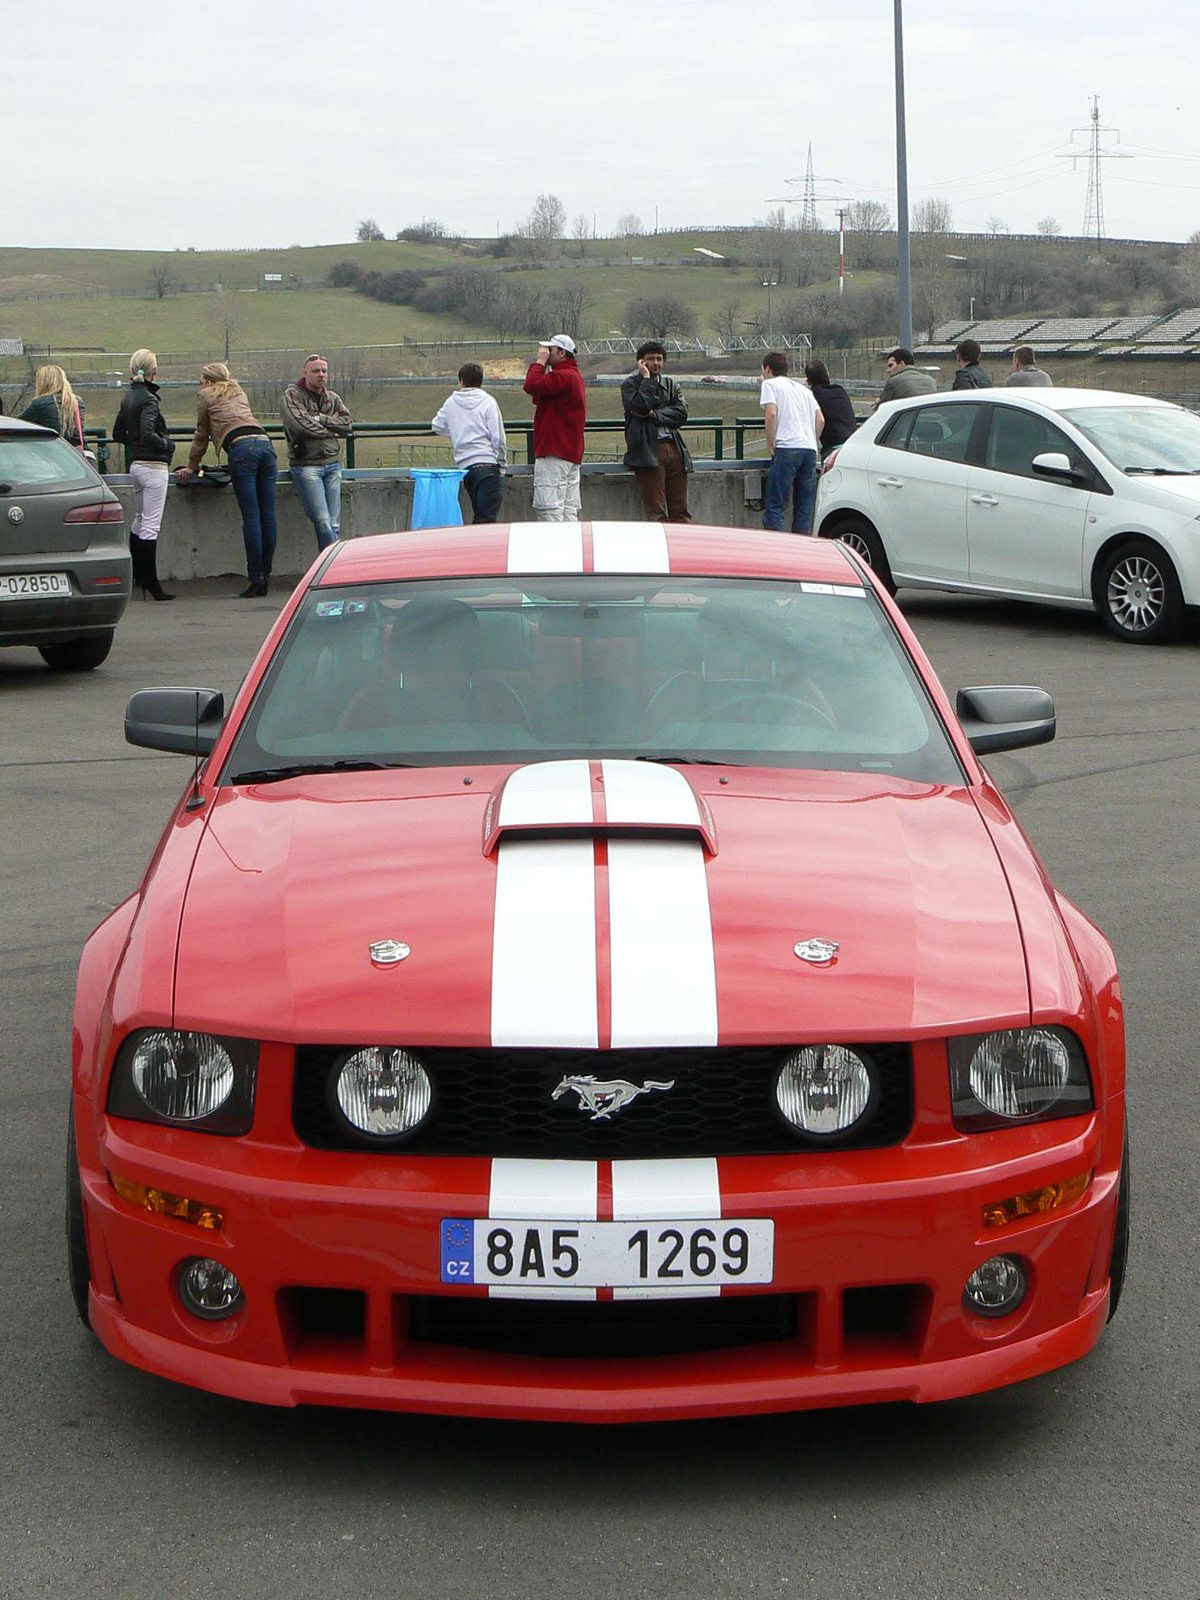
(555, 385)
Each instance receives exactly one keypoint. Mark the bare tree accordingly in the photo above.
(997, 226)
(368, 231)
(867, 219)
(227, 319)
(933, 215)
(1189, 266)
(660, 316)
(1048, 227)
(568, 308)
(581, 230)
(629, 226)
(161, 280)
(548, 219)
(727, 321)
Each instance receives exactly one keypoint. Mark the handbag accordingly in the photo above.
(215, 477)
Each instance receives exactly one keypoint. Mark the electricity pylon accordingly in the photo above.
(1098, 151)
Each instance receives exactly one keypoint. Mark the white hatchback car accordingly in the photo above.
(1076, 497)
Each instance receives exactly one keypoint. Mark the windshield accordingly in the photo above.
(520, 669)
(39, 462)
(1163, 439)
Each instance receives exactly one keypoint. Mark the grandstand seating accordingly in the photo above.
(1129, 327)
(1183, 325)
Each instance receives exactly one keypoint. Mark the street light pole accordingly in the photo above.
(768, 284)
(903, 259)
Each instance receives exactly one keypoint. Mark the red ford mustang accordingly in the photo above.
(592, 977)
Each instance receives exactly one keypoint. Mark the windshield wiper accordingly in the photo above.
(686, 761)
(1166, 472)
(304, 768)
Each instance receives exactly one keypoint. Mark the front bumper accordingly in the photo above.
(907, 1217)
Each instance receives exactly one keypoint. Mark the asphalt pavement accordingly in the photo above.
(1082, 1483)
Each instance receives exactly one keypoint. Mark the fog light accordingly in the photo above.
(996, 1287)
(208, 1289)
(382, 1091)
(824, 1089)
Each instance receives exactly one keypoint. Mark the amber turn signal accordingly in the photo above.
(1035, 1202)
(197, 1212)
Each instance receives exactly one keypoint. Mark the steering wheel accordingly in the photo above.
(816, 718)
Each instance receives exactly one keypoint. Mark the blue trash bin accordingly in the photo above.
(435, 497)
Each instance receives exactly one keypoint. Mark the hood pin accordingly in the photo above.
(817, 952)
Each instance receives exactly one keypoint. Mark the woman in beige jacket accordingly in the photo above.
(224, 417)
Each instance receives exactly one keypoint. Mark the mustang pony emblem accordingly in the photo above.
(603, 1096)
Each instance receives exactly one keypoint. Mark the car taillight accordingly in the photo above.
(829, 460)
(102, 511)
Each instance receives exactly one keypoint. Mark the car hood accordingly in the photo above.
(619, 933)
(1178, 494)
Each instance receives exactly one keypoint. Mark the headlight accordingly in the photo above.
(381, 1092)
(190, 1080)
(825, 1089)
(1017, 1075)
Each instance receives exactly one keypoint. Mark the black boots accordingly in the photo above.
(254, 591)
(145, 573)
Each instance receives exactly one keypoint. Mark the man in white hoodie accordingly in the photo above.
(471, 420)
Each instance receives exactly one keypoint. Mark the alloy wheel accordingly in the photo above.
(858, 543)
(1137, 593)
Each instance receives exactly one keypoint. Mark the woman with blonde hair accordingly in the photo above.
(142, 429)
(224, 417)
(55, 405)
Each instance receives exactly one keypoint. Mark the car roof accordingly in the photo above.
(15, 425)
(1036, 399)
(586, 548)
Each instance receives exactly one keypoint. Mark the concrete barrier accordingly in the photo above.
(202, 528)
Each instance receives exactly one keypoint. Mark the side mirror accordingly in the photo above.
(1057, 464)
(1005, 718)
(184, 721)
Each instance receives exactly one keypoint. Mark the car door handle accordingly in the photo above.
(891, 483)
(986, 499)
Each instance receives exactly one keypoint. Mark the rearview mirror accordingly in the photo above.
(1005, 718)
(185, 722)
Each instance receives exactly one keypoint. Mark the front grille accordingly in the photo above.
(498, 1103)
(602, 1330)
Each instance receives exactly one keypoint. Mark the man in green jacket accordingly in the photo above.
(903, 379)
(316, 421)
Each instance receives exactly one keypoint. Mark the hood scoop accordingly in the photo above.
(596, 798)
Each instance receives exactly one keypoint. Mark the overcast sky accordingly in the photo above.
(272, 122)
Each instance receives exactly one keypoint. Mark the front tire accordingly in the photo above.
(78, 655)
(1137, 593)
(866, 543)
(79, 1271)
(1120, 1247)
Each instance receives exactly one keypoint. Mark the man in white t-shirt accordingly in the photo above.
(793, 427)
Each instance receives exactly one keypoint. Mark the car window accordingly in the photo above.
(41, 462)
(895, 434)
(1164, 439)
(941, 431)
(1016, 436)
(501, 669)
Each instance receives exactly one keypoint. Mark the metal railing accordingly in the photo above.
(727, 440)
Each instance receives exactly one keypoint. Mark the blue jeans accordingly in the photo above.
(320, 491)
(252, 465)
(794, 472)
(485, 490)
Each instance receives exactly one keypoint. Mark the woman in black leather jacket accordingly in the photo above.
(141, 428)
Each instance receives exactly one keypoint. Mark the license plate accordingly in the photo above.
(33, 585)
(655, 1256)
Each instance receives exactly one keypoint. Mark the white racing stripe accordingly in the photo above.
(629, 547)
(664, 981)
(547, 793)
(641, 793)
(544, 944)
(651, 1191)
(545, 547)
(553, 1191)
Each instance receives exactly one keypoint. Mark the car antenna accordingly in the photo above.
(195, 800)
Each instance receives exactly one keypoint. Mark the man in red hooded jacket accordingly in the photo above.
(555, 384)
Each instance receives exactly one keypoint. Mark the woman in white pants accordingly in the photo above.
(141, 428)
